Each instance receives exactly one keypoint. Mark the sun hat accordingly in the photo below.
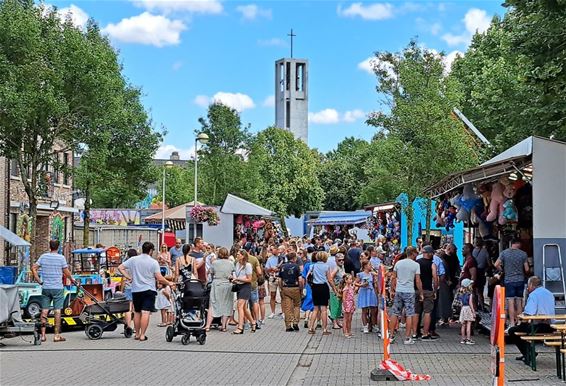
(467, 282)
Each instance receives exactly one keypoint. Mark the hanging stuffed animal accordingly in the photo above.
(496, 203)
(450, 217)
(485, 192)
(509, 212)
(466, 203)
(441, 209)
(509, 191)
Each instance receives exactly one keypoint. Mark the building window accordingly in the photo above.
(14, 170)
(56, 169)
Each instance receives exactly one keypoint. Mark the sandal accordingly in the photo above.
(44, 339)
(162, 325)
(223, 329)
(144, 339)
(254, 327)
(238, 332)
(207, 329)
(59, 339)
(312, 332)
(326, 332)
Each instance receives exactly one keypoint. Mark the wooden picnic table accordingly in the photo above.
(534, 318)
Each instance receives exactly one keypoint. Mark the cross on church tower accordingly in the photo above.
(292, 35)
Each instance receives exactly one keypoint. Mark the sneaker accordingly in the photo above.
(392, 340)
(280, 315)
(416, 337)
(470, 342)
(306, 325)
(271, 316)
(295, 327)
(409, 341)
(366, 330)
(402, 325)
(434, 335)
(427, 338)
(463, 341)
(289, 329)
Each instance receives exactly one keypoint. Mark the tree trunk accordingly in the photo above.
(409, 212)
(34, 253)
(428, 215)
(86, 219)
(283, 226)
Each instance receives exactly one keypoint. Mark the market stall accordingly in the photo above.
(519, 193)
(341, 225)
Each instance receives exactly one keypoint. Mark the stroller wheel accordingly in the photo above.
(94, 331)
(128, 332)
(186, 339)
(201, 339)
(170, 333)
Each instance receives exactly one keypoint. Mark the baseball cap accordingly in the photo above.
(467, 282)
(428, 249)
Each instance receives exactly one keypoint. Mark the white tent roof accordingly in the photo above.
(236, 205)
(12, 238)
(522, 149)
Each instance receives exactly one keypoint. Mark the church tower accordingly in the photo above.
(292, 96)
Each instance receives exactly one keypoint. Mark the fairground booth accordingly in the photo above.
(341, 225)
(519, 193)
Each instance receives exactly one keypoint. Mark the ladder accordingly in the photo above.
(554, 274)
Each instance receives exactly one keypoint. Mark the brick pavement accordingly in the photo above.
(269, 357)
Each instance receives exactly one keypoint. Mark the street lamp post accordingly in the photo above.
(168, 165)
(202, 138)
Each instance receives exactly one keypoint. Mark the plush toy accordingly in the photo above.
(450, 217)
(509, 212)
(441, 209)
(485, 192)
(467, 201)
(496, 203)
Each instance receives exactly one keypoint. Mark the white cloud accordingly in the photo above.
(435, 28)
(353, 115)
(252, 12)
(202, 100)
(192, 6)
(370, 63)
(376, 11)
(177, 65)
(269, 101)
(325, 117)
(147, 29)
(449, 58)
(475, 20)
(237, 101)
(164, 152)
(79, 18)
(273, 42)
(332, 116)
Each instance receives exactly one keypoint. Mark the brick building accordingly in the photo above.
(55, 206)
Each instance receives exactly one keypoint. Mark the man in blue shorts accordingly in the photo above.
(53, 266)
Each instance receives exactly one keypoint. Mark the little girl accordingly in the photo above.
(163, 303)
(348, 303)
(467, 313)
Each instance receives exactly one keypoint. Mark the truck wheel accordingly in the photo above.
(33, 309)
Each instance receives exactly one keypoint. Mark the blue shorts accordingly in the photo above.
(514, 289)
(254, 297)
(57, 296)
(403, 300)
(128, 293)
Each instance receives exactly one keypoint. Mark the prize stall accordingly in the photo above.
(520, 193)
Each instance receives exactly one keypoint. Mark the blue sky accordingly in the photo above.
(183, 54)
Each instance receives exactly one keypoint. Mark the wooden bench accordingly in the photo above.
(533, 337)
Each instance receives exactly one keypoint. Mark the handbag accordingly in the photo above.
(235, 287)
(310, 277)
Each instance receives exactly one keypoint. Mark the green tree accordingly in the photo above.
(419, 141)
(222, 168)
(513, 76)
(286, 170)
(341, 174)
(179, 187)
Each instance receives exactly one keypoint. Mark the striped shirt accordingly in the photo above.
(52, 265)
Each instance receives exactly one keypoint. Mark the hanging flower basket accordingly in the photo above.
(205, 214)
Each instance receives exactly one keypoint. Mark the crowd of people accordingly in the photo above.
(322, 282)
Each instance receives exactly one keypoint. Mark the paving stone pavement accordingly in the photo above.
(271, 356)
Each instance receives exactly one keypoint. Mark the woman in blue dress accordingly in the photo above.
(307, 305)
(367, 298)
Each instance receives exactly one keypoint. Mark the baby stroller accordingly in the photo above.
(191, 308)
(104, 316)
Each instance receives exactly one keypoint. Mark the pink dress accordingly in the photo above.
(348, 303)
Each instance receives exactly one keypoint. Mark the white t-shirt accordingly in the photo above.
(142, 269)
(241, 272)
(406, 270)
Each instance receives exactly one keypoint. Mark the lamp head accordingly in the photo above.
(202, 138)
(169, 164)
